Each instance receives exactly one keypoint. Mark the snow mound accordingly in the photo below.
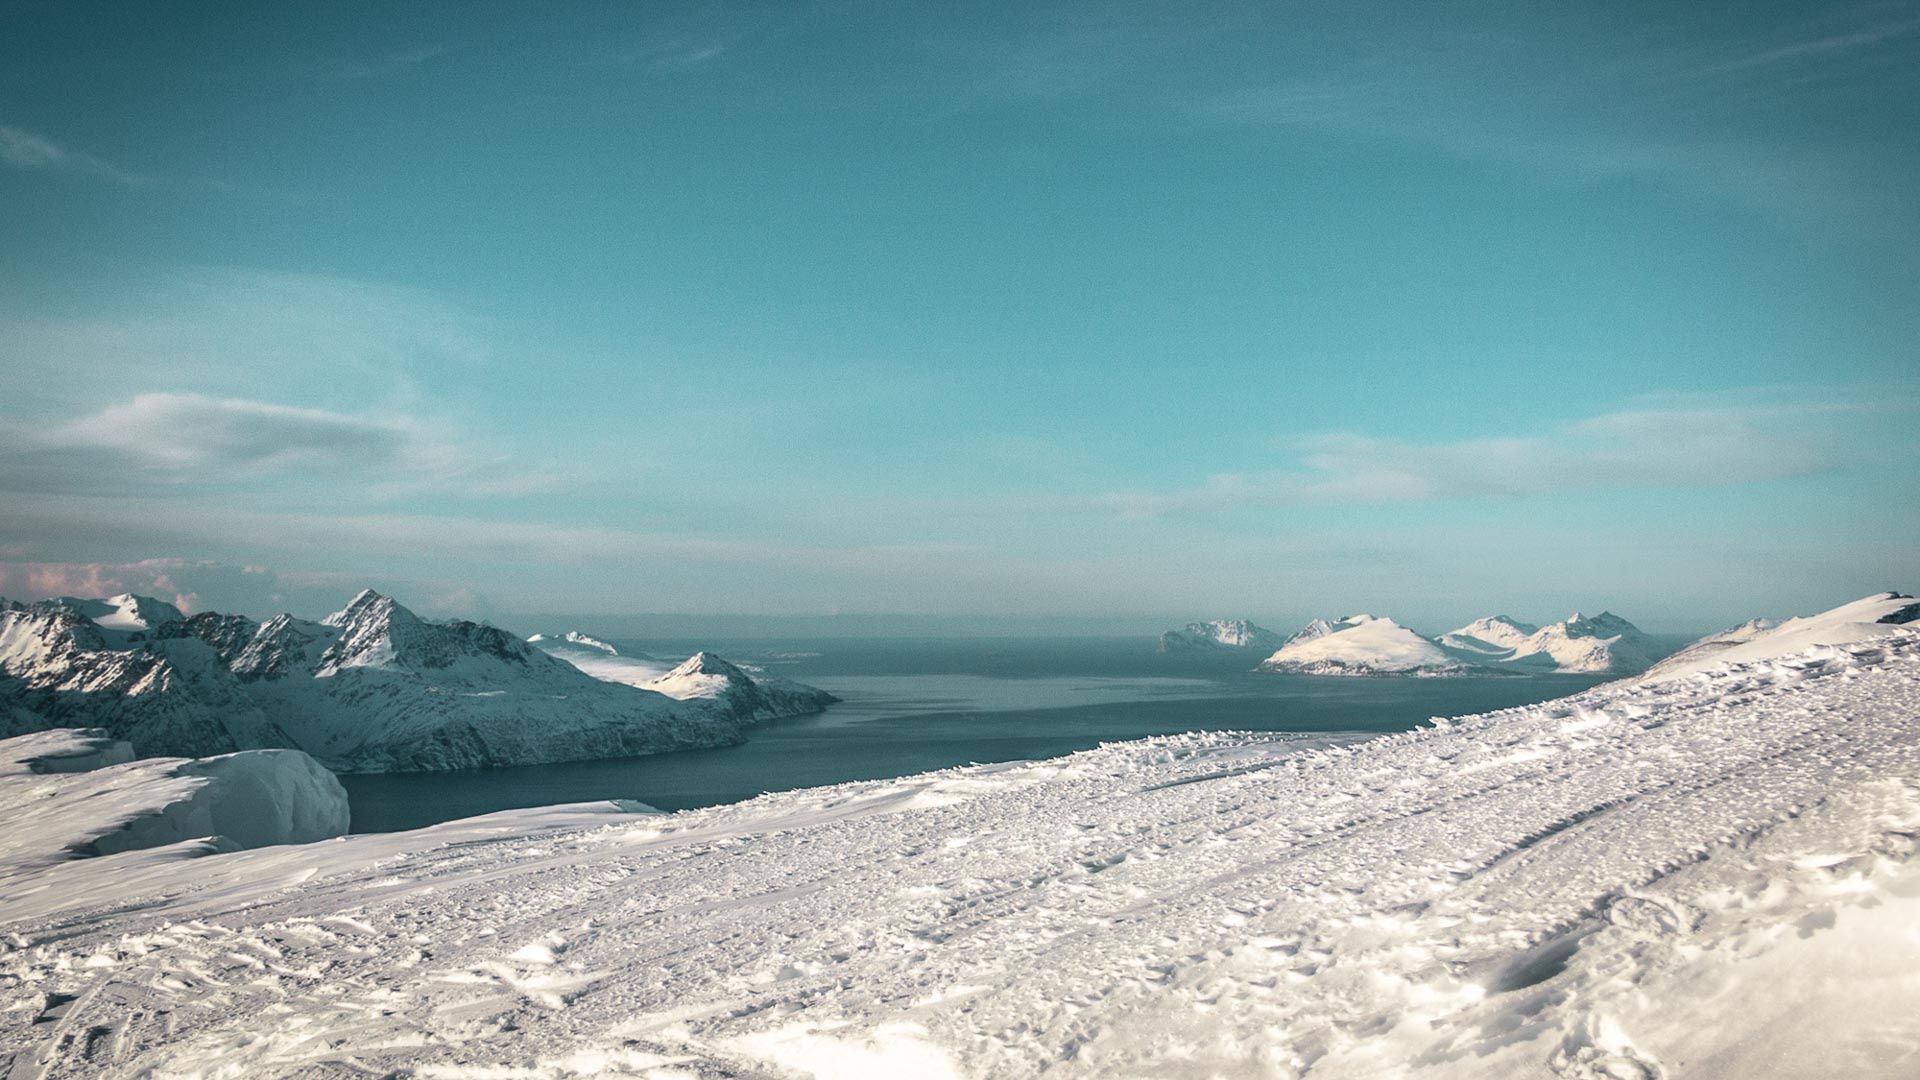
(1877, 616)
(72, 793)
(1363, 645)
(1220, 634)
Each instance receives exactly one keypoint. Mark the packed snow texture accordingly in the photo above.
(370, 688)
(1220, 634)
(1712, 875)
(1363, 645)
(68, 794)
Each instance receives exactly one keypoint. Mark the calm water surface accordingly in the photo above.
(918, 704)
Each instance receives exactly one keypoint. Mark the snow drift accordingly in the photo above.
(70, 793)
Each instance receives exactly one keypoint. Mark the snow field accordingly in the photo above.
(1684, 878)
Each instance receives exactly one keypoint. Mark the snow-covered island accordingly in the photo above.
(1220, 634)
(370, 688)
(1708, 870)
(1369, 645)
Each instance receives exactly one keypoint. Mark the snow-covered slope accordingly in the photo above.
(1712, 877)
(1870, 617)
(70, 793)
(601, 660)
(1220, 634)
(1363, 645)
(1496, 636)
(372, 687)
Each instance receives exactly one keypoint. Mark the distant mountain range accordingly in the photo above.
(370, 688)
(1375, 645)
(1603, 644)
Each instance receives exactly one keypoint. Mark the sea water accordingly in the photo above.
(915, 704)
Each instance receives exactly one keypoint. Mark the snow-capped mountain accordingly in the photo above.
(370, 688)
(1596, 644)
(1887, 614)
(126, 613)
(1364, 645)
(58, 668)
(573, 637)
(1496, 636)
(704, 676)
(1220, 634)
(1582, 644)
(701, 677)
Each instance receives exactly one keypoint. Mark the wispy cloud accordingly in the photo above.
(1676, 446)
(1830, 46)
(243, 333)
(28, 151)
(193, 431)
(669, 55)
(373, 66)
(193, 440)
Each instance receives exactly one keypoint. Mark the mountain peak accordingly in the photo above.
(364, 604)
(706, 663)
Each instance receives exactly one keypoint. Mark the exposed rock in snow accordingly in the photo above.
(1876, 616)
(372, 687)
(71, 793)
(1220, 634)
(1712, 877)
(59, 669)
(1364, 645)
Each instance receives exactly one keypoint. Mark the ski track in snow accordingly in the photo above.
(1705, 877)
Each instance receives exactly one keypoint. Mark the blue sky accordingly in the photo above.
(1131, 311)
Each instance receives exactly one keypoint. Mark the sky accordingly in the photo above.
(1132, 312)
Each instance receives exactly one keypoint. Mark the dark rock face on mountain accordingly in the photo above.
(372, 687)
